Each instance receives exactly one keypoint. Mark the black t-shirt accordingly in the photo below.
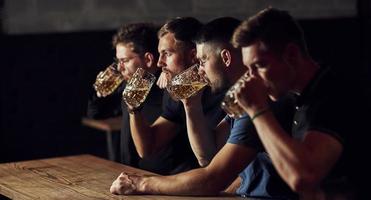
(113, 105)
(104, 107)
(174, 112)
(151, 111)
(340, 108)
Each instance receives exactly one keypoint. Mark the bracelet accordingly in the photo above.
(260, 112)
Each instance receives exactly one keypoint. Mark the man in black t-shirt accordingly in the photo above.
(136, 46)
(168, 133)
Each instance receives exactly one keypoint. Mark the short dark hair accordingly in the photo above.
(275, 28)
(143, 36)
(219, 30)
(183, 28)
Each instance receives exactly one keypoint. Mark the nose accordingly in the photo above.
(120, 66)
(160, 62)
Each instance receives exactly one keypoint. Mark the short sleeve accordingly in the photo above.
(172, 110)
(243, 132)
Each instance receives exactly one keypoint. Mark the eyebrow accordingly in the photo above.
(167, 49)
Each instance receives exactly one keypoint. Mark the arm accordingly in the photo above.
(205, 141)
(302, 164)
(149, 139)
(211, 180)
(102, 108)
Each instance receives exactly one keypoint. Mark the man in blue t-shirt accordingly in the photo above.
(222, 65)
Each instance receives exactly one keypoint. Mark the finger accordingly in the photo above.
(158, 82)
(113, 189)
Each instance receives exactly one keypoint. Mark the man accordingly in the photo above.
(168, 133)
(136, 46)
(319, 160)
(222, 65)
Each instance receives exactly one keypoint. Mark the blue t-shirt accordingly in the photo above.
(259, 178)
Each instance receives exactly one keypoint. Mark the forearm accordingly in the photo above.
(195, 182)
(141, 134)
(289, 156)
(201, 136)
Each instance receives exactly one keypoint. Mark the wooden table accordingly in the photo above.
(108, 125)
(72, 177)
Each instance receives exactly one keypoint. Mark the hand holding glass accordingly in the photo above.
(108, 80)
(229, 103)
(138, 87)
(186, 84)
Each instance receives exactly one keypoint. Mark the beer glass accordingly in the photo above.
(138, 87)
(229, 103)
(186, 84)
(108, 80)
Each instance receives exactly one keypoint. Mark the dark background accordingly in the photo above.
(46, 79)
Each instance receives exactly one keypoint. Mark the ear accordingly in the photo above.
(291, 54)
(148, 59)
(226, 57)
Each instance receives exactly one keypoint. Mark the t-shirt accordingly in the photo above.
(260, 178)
(339, 107)
(174, 111)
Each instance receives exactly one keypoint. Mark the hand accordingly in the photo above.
(164, 79)
(193, 101)
(125, 184)
(252, 95)
(99, 94)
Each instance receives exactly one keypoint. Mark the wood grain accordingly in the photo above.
(72, 177)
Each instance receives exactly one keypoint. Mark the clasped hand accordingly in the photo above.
(125, 184)
(252, 95)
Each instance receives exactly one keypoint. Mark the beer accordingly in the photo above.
(138, 87)
(107, 81)
(231, 107)
(185, 91)
(135, 96)
(229, 103)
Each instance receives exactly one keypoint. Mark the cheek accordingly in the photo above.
(130, 69)
(208, 73)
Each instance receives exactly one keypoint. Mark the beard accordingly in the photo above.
(219, 84)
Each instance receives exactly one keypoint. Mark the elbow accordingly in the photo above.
(203, 162)
(143, 153)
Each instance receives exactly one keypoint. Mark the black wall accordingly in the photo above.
(45, 81)
(44, 87)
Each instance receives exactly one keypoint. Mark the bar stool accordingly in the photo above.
(108, 125)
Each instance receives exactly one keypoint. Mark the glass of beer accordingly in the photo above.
(229, 103)
(138, 87)
(108, 80)
(186, 84)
